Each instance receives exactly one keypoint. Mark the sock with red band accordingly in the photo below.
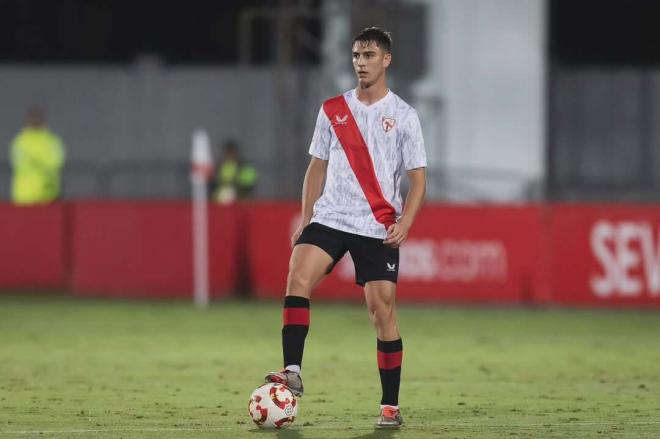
(390, 355)
(295, 320)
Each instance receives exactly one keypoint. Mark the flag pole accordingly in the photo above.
(201, 170)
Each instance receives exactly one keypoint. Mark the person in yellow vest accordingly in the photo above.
(37, 157)
(234, 179)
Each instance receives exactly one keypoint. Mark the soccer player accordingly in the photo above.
(364, 140)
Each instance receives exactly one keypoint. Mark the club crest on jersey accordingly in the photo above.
(341, 120)
(388, 124)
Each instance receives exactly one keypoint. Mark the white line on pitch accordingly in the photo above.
(321, 427)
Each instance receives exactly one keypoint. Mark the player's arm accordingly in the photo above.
(397, 233)
(312, 189)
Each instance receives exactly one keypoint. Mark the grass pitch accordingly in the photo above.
(107, 369)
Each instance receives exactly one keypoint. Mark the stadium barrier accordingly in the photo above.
(571, 254)
(466, 254)
(144, 249)
(33, 247)
(604, 255)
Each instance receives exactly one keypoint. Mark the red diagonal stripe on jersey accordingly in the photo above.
(389, 360)
(295, 316)
(356, 150)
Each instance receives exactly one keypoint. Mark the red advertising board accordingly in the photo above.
(472, 254)
(32, 246)
(269, 226)
(144, 249)
(462, 254)
(572, 254)
(605, 255)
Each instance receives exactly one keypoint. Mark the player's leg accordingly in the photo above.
(380, 296)
(308, 265)
(312, 258)
(376, 268)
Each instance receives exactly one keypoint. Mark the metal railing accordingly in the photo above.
(169, 178)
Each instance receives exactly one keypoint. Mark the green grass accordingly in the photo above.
(108, 369)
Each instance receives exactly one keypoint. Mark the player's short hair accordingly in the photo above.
(381, 38)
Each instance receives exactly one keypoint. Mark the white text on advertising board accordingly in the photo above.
(446, 260)
(629, 258)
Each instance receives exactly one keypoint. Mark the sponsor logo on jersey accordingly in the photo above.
(388, 124)
(341, 120)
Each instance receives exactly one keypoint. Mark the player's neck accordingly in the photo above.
(373, 93)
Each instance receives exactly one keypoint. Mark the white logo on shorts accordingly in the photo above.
(391, 267)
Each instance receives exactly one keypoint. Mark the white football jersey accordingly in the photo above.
(392, 132)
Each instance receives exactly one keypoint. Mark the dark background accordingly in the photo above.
(205, 31)
(605, 31)
(198, 31)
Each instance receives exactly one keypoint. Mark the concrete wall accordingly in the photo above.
(127, 130)
(483, 100)
(605, 134)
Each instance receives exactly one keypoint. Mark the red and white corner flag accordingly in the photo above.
(201, 170)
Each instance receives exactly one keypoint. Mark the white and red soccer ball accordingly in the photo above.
(273, 405)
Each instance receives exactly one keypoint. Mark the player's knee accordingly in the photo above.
(299, 283)
(382, 315)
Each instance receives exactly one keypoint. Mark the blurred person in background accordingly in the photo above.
(234, 179)
(37, 156)
(364, 141)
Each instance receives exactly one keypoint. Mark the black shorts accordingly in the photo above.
(373, 260)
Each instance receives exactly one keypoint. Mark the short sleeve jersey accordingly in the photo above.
(392, 132)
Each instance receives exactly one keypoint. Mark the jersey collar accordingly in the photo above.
(375, 104)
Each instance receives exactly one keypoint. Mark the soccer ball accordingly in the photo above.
(273, 405)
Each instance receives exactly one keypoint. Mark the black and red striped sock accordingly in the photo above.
(390, 356)
(295, 321)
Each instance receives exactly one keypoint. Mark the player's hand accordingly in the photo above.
(396, 234)
(296, 235)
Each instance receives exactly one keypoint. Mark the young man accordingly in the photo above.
(37, 157)
(364, 141)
